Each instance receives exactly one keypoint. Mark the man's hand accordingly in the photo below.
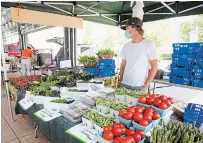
(120, 80)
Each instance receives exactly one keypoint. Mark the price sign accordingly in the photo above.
(47, 115)
(26, 103)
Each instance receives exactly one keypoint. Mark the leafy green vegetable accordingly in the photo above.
(106, 52)
(88, 60)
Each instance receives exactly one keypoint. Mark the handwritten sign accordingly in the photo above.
(26, 103)
(47, 115)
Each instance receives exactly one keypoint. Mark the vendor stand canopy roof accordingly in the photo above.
(113, 12)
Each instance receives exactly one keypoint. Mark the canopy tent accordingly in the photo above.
(113, 12)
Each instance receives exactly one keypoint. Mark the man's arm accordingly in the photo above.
(153, 71)
(122, 68)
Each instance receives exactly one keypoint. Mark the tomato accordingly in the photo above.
(163, 105)
(171, 99)
(126, 140)
(137, 117)
(150, 100)
(148, 117)
(122, 112)
(149, 109)
(144, 122)
(128, 116)
(121, 125)
(143, 108)
(142, 133)
(108, 135)
(138, 110)
(146, 95)
(137, 137)
(154, 96)
(116, 125)
(132, 110)
(156, 102)
(162, 97)
(123, 130)
(130, 132)
(117, 131)
(142, 100)
(108, 128)
(131, 139)
(148, 113)
(132, 107)
(156, 116)
(117, 140)
(168, 102)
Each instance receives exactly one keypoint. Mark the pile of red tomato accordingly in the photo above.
(162, 102)
(140, 115)
(119, 134)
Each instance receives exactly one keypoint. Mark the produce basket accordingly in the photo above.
(114, 114)
(98, 128)
(127, 123)
(131, 100)
(82, 85)
(137, 126)
(144, 105)
(88, 123)
(161, 111)
(77, 109)
(100, 139)
(41, 99)
(120, 97)
(66, 94)
(103, 109)
(72, 119)
(166, 118)
(155, 122)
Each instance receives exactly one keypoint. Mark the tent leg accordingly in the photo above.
(118, 50)
(6, 81)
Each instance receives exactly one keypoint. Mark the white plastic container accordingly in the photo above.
(131, 100)
(55, 88)
(103, 109)
(82, 85)
(87, 123)
(166, 118)
(98, 128)
(114, 114)
(41, 99)
(121, 98)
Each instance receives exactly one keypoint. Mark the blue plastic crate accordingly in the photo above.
(182, 45)
(107, 71)
(107, 63)
(199, 62)
(185, 80)
(91, 70)
(181, 69)
(199, 50)
(183, 59)
(197, 124)
(198, 72)
(104, 75)
(197, 82)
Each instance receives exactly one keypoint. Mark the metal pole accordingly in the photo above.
(65, 43)
(75, 46)
(6, 80)
(118, 47)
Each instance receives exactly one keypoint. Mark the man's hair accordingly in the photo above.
(139, 29)
(28, 47)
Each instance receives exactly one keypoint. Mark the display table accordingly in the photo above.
(54, 129)
(168, 84)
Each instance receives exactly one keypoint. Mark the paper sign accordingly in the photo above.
(65, 64)
(47, 115)
(26, 103)
(83, 133)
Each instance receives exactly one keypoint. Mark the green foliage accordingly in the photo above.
(106, 52)
(88, 60)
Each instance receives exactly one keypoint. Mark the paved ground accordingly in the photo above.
(20, 131)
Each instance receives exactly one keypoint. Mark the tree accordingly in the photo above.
(187, 27)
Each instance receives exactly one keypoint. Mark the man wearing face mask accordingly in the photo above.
(137, 57)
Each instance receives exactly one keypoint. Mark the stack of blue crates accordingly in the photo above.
(105, 68)
(186, 67)
(193, 114)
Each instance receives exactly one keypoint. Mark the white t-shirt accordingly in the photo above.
(137, 56)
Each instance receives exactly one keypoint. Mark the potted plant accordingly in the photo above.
(88, 61)
(106, 54)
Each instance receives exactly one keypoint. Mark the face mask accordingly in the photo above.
(127, 34)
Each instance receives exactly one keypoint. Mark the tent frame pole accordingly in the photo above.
(6, 82)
